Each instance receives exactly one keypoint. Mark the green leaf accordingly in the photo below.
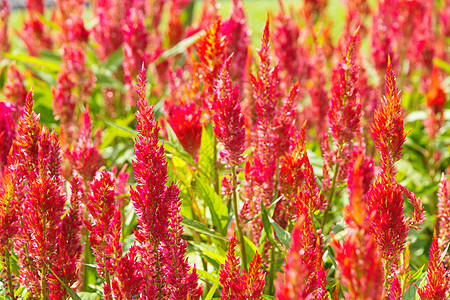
(107, 81)
(442, 64)
(23, 58)
(130, 131)
(217, 208)
(213, 288)
(88, 296)
(179, 48)
(268, 297)
(267, 226)
(71, 292)
(208, 276)
(47, 22)
(113, 61)
(201, 228)
(282, 235)
(206, 161)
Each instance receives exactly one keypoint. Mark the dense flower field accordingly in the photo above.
(159, 149)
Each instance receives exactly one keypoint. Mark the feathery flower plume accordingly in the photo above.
(211, 50)
(238, 41)
(157, 204)
(69, 250)
(435, 100)
(297, 180)
(7, 131)
(357, 257)
(85, 157)
(395, 292)
(9, 224)
(344, 117)
(249, 285)
(443, 213)
(304, 276)
(33, 34)
(228, 119)
(438, 277)
(4, 16)
(184, 119)
(14, 89)
(136, 40)
(72, 25)
(385, 197)
(108, 34)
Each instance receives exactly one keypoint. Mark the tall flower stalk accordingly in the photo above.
(385, 197)
(157, 204)
(230, 131)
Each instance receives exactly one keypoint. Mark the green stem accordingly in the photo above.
(331, 194)
(271, 274)
(216, 170)
(238, 223)
(8, 272)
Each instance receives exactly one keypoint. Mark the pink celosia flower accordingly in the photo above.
(184, 119)
(7, 131)
(395, 292)
(157, 205)
(443, 213)
(438, 277)
(344, 116)
(297, 180)
(136, 40)
(238, 41)
(69, 249)
(108, 33)
(33, 33)
(72, 26)
(85, 157)
(4, 16)
(14, 89)
(228, 120)
(9, 225)
(304, 276)
(357, 257)
(385, 197)
(435, 100)
(249, 285)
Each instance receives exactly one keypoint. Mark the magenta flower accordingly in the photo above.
(228, 119)
(157, 204)
(7, 131)
(14, 88)
(304, 276)
(249, 285)
(438, 277)
(4, 16)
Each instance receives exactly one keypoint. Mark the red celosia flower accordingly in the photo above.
(85, 157)
(344, 115)
(360, 265)
(69, 249)
(33, 33)
(157, 205)
(9, 224)
(236, 286)
(435, 100)
(4, 16)
(14, 89)
(184, 119)
(443, 213)
(438, 277)
(297, 179)
(357, 257)
(72, 22)
(304, 276)
(385, 197)
(108, 33)
(238, 41)
(7, 131)
(395, 292)
(136, 40)
(228, 119)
